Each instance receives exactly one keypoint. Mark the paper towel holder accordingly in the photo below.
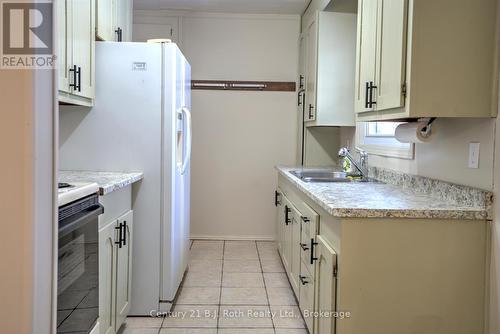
(426, 131)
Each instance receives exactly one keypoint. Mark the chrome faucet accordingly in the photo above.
(361, 165)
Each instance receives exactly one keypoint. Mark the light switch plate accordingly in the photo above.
(474, 155)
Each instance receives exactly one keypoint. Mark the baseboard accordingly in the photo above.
(231, 237)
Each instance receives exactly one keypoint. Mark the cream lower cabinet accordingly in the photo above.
(297, 226)
(385, 275)
(326, 273)
(76, 51)
(116, 232)
(107, 263)
(115, 272)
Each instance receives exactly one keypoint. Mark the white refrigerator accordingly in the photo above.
(141, 121)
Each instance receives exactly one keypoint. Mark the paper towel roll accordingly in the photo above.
(412, 133)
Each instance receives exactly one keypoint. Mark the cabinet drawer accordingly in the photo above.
(309, 221)
(309, 230)
(306, 298)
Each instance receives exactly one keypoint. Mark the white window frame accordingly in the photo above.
(386, 146)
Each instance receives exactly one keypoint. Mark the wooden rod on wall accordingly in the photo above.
(271, 86)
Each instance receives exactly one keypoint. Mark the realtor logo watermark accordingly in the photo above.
(27, 35)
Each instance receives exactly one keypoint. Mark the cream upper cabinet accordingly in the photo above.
(410, 65)
(114, 20)
(311, 69)
(366, 52)
(381, 54)
(301, 100)
(105, 22)
(63, 11)
(391, 55)
(124, 19)
(76, 24)
(330, 69)
(84, 47)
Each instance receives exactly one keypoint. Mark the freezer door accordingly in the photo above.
(185, 186)
(177, 148)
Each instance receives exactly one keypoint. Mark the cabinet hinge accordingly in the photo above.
(335, 271)
(403, 90)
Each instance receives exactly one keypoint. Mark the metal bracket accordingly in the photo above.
(426, 131)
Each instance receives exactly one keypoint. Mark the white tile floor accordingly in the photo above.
(232, 287)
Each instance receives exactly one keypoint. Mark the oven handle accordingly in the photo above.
(91, 213)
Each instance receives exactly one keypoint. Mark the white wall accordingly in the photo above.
(321, 146)
(445, 157)
(238, 136)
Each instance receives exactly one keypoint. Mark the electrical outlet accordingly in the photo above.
(473, 155)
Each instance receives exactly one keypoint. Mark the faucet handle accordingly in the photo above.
(343, 152)
(361, 152)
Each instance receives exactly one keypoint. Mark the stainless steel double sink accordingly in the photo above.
(312, 176)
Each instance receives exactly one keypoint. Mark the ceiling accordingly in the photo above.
(227, 6)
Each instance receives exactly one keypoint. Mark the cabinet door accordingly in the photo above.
(366, 53)
(301, 99)
(107, 278)
(63, 17)
(105, 25)
(306, 297)
(325, 285)
(278, 201)
(391, 54)
(83, 45)
(124, 19)
(309, 230)
(311, 69)
(124, 270)
(296, 250)
(287, 234)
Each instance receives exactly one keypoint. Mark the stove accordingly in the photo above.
(70, 192)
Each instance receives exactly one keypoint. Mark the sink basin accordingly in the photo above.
(311, 176)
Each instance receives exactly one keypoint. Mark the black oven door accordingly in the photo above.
(78, 266)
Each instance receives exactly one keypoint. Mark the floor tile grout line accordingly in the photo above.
(221, 282)
(265, 286)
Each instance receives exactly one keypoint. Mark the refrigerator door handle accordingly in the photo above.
(189, 139)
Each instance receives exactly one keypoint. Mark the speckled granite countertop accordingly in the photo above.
(377, 199)
(107, 181)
